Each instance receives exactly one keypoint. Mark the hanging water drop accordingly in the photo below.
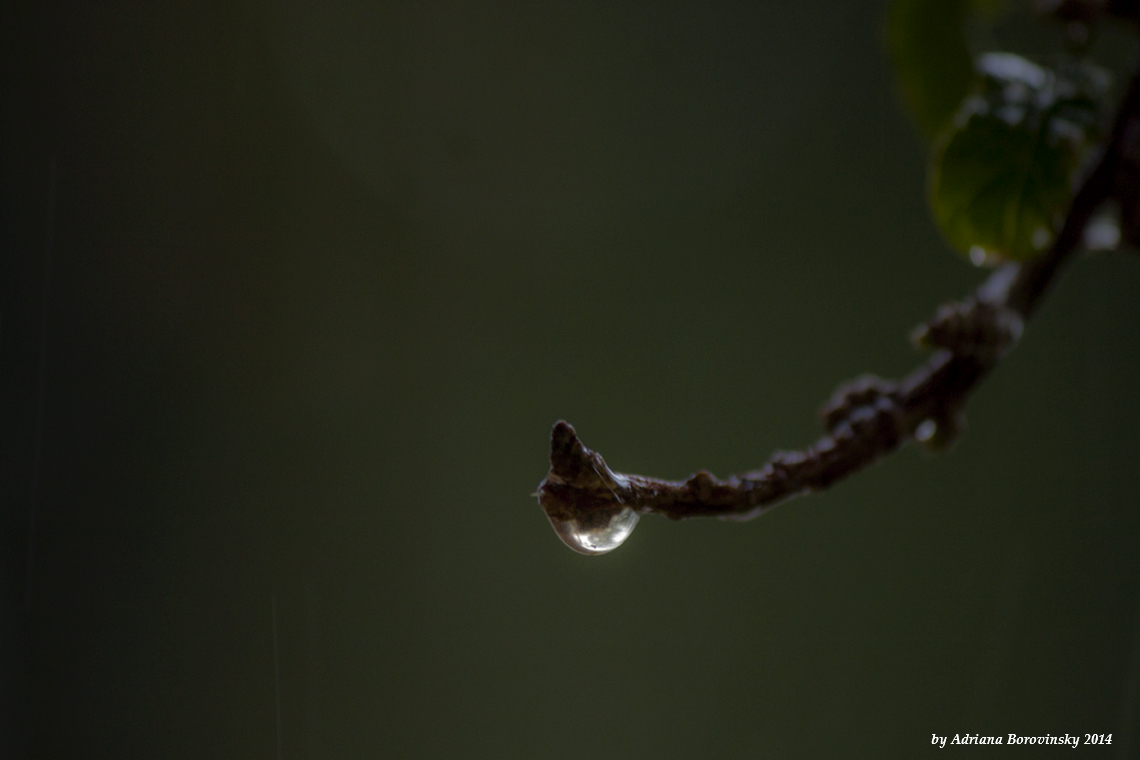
(592, 508)
(926, 431)
(597, 533)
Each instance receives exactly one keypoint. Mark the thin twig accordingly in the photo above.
(867, 418)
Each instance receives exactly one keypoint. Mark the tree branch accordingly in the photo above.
(867, 418)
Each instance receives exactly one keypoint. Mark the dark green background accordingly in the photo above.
(292, 294)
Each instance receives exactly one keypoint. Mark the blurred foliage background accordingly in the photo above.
(293, 292)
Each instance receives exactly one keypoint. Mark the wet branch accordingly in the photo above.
(867, 418)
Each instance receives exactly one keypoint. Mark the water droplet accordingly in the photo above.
(926, 431)
(977, 255)
(597, 533)
(1102, 234)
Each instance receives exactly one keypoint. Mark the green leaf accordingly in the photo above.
(931, 60)
(997, 187)
(1002, 175)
